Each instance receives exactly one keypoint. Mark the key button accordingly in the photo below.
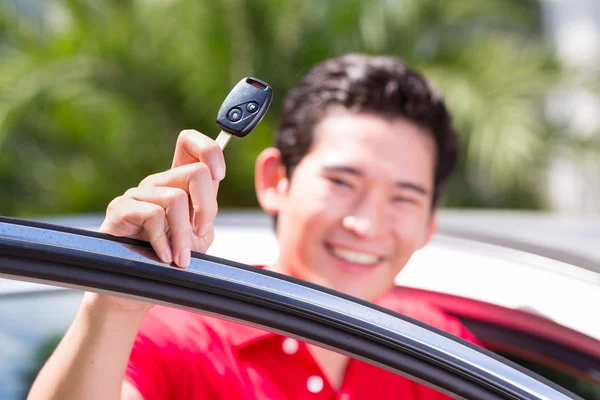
(234, 115)
(252, 107)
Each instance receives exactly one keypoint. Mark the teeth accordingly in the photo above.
(355, 257)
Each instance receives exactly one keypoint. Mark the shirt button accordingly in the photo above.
(290, 346)
(314, 384)
(345, 395)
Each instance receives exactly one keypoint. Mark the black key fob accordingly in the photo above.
(244, 107)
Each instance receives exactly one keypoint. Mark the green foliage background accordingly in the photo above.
(94, 93)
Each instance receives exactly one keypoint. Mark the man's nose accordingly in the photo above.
(367, 219)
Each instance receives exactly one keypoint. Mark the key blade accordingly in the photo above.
(223, 139)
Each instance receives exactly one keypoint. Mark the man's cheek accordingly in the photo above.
(408, 238)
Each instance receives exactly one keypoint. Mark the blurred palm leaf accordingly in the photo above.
(92, 103)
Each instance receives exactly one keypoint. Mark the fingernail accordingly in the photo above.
(218, 169)
(203, 230)
(167, 255)
(184, 257)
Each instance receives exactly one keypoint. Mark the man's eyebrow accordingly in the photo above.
(357, 172)
(344, 169)
(412, 186)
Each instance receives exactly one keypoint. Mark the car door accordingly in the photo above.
(563, 355)
(86, 260)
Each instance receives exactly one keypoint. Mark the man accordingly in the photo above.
(364, 149)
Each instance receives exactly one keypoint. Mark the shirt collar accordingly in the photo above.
(245, 335)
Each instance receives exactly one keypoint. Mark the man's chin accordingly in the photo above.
(355, 285)
(362, 289)
(355, 289)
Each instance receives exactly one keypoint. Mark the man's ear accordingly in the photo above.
(431, 228)
(270, 180)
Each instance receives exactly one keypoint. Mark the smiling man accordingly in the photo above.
(359, 202)
(364, 149)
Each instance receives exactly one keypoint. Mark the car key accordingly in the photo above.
(243, 108)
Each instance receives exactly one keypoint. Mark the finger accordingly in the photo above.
(202, 243)
(192, 146)
(196, 180)
(127, 217)
(174, 201)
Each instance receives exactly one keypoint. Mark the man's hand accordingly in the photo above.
(173, 210)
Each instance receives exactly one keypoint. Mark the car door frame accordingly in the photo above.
(85, 260)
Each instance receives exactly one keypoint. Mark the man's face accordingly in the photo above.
(358, 204)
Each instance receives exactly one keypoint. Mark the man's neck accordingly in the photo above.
(332, 364)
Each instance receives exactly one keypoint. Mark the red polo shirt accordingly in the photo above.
(186, 355)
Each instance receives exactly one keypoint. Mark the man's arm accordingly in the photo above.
(90, 361)
(129, 392)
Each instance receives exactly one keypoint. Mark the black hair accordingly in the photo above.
(381, 85)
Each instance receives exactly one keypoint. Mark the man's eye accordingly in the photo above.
(403, 199)
(340, 182)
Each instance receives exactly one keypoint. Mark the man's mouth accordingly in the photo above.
(354, 257)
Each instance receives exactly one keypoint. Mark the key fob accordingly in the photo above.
(244, 107)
